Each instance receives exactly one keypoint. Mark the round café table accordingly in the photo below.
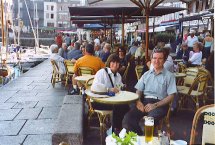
(123, 97)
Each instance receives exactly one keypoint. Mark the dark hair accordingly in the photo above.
(135, 43)
(122, 49)
(77, 45)
(90, 48)
(112, 58)
(160, 50)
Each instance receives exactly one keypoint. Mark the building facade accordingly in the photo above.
(50, 14)
(63, 15)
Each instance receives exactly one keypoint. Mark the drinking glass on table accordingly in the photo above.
(149, 129)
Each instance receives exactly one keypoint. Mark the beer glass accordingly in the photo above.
(149, 129)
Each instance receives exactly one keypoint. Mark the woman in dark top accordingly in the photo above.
(123, 60)
(183, 53)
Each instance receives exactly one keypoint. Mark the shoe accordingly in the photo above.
(74, 92)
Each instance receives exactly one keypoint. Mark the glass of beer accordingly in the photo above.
(149, 129)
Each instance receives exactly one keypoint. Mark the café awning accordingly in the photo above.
(118, 10)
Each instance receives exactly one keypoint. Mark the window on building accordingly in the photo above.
(61, 8)
(59, 1)
(50, 24)
(60, 25)
(52, 8)
(47, 7)
(52, 16)
(47, 15)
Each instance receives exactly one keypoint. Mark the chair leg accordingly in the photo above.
(66, 83)
(197, 103)
(90, 113)
(53, 81)
(102, 126)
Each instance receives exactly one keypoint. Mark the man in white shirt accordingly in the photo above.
(191, 40)
(97, 41)
(113, 84)
(58, 59)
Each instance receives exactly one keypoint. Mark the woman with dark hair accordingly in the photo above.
(121, 52)
(111, 80)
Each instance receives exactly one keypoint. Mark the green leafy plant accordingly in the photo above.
(129, 138)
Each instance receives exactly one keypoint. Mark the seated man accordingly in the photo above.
(110, 78)
(63, 51)
(88, 60)
(58, 59)
(75, 53)
(156, 90)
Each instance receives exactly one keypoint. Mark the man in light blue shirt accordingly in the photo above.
(156, 89)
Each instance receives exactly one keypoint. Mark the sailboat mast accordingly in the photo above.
(2, 23)
(31, 25)
(19, 28)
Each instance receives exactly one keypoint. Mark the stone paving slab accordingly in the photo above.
(9, 114)
(44, 139)
(5, 95)
(72, 99)
(26, 104)
(29, 94)
(49, 113)
(6, 105)
(29, 113)
(43, 126)
(11, 127)
(50, 103)
(41, 87)
(12, 140)
(51, 93)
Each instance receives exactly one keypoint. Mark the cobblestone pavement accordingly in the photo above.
(29, 107)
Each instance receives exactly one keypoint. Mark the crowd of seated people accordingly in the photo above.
(97, 55)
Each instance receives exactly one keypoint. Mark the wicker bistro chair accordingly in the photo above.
(209, 85)
(85, 71)
(69, 70)
(208, 131)
(55, 73)
(181, 68)
(102, 114)
(138, 70)
(186, 82)
(197, 89)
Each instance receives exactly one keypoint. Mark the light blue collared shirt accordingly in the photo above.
(159, 85)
